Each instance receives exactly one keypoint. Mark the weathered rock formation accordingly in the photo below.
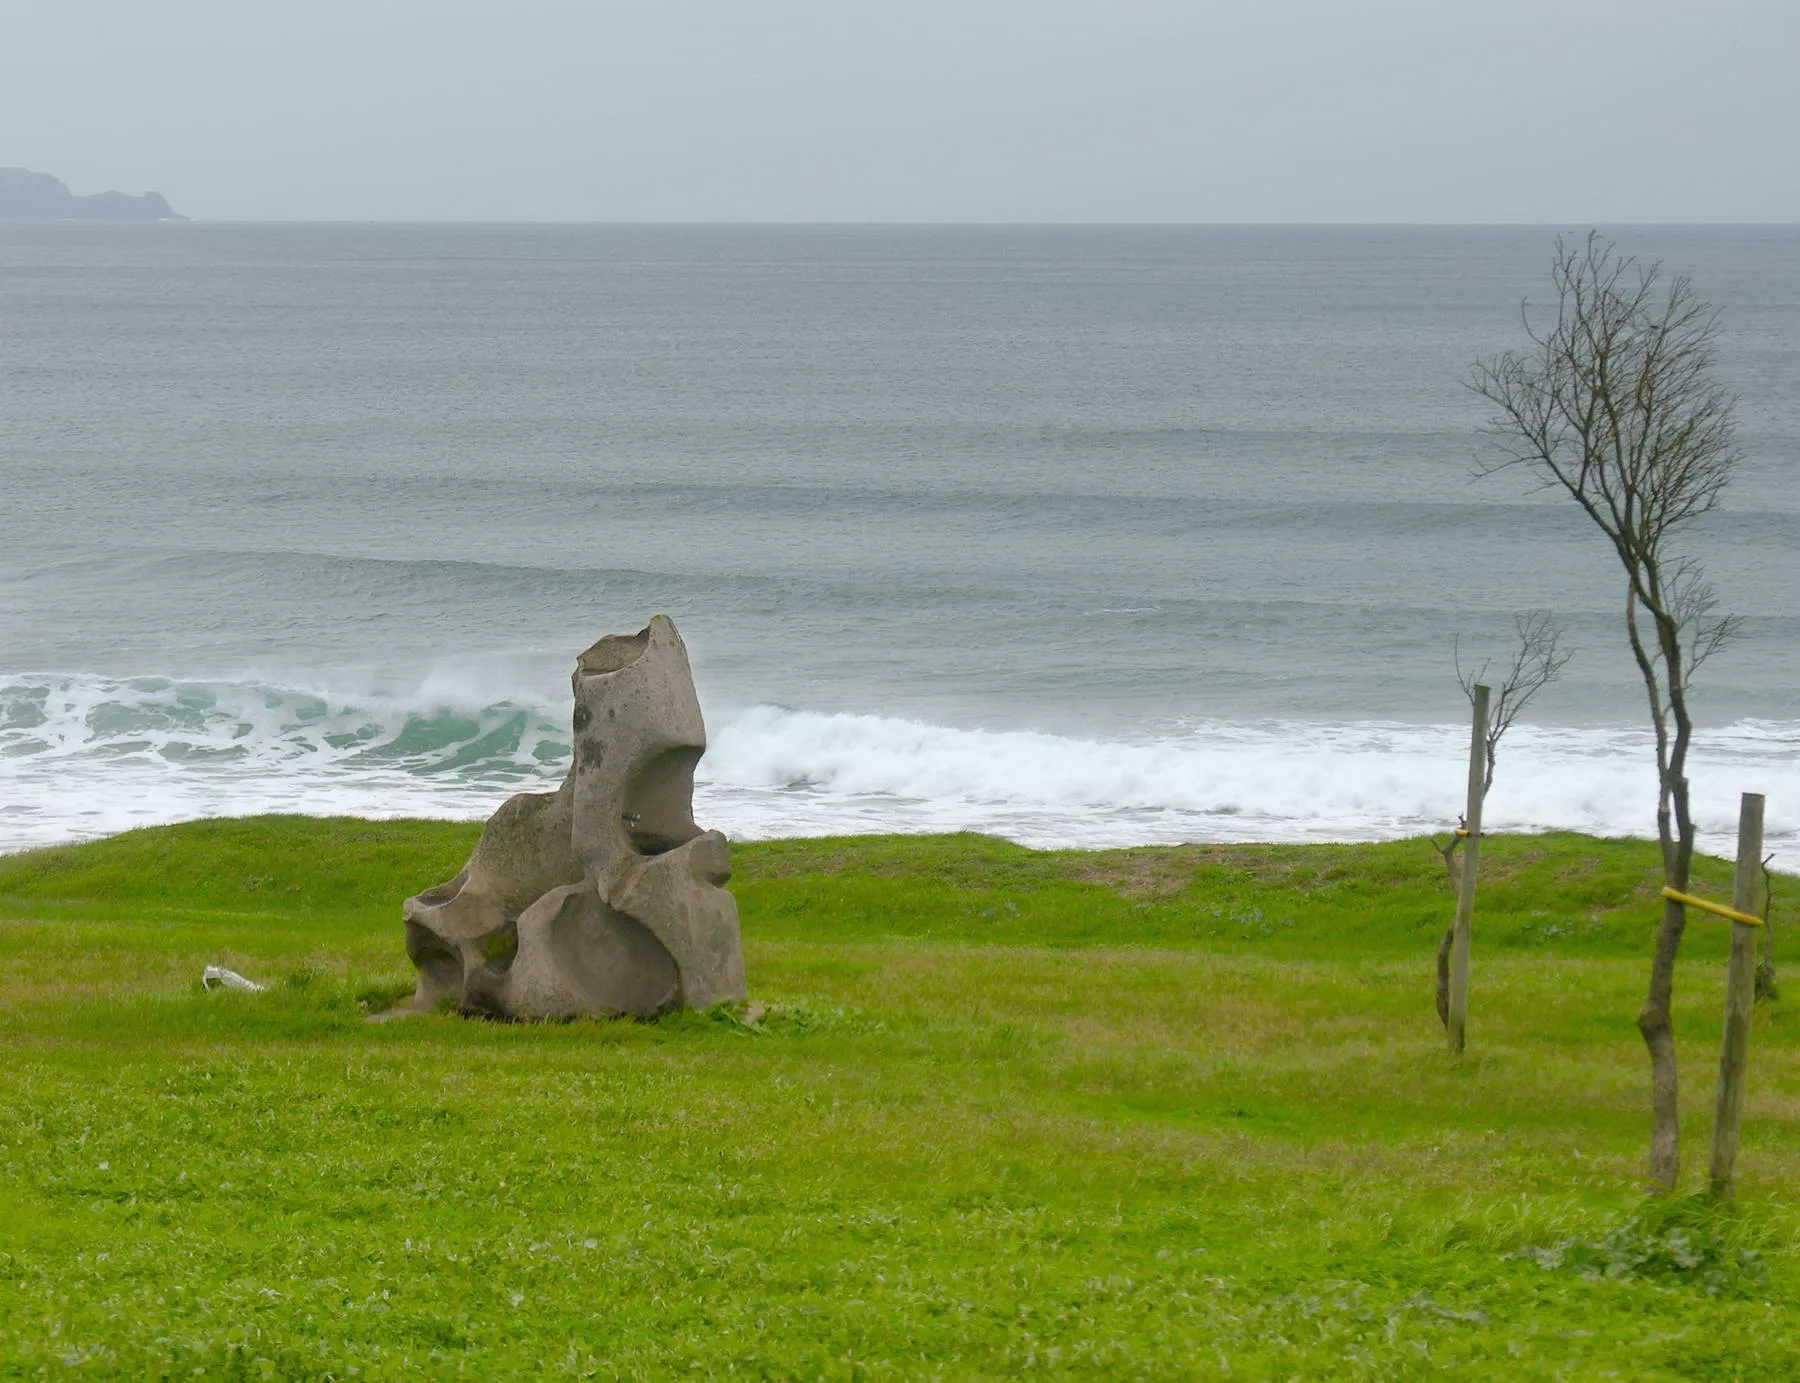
(602, 898)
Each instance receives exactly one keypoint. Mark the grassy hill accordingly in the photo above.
(993, 1113)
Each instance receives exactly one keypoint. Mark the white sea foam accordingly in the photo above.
(84, 756)
(780, 772)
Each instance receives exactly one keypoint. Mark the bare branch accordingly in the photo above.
(1468, 680)
(1693, 602)
(1538, 660)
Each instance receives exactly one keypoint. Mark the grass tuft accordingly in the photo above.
(1687, 1241)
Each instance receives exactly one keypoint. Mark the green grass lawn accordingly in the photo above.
(993, 1113)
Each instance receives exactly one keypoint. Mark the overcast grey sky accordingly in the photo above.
(1564, 111)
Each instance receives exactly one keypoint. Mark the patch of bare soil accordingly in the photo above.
(1160, 871)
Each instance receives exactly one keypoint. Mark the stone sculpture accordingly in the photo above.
(602, 898)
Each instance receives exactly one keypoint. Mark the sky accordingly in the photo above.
(1388, 111)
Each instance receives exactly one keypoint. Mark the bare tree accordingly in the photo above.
(1616, 406)
(1537, 661)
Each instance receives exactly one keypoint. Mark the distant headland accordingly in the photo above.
(28, 196)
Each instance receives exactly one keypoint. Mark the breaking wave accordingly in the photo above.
(83, 756)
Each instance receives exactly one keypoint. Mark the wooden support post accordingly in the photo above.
(1465, 884)
(1740, 995)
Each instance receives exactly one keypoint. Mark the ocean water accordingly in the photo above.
(1076, 535)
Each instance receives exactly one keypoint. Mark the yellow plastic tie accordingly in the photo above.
(1718, 909)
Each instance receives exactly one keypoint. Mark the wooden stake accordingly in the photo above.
(1740, 995)
(1465, 884)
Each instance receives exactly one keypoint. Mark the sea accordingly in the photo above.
(1080, 536)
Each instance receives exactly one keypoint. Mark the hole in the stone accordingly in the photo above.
(500, 947)
(438, 895)
(438, 964)
(479, 1003)
(614, 653)
(658, 812)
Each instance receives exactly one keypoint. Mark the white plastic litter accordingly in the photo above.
(218, 977)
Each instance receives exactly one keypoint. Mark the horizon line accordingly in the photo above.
(847, 224)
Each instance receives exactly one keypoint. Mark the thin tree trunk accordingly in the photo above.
(1462, 938)
(1654, 1018)
(1443, 976)
(1443, 952)
(1677, 839)
(1659, 1038)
